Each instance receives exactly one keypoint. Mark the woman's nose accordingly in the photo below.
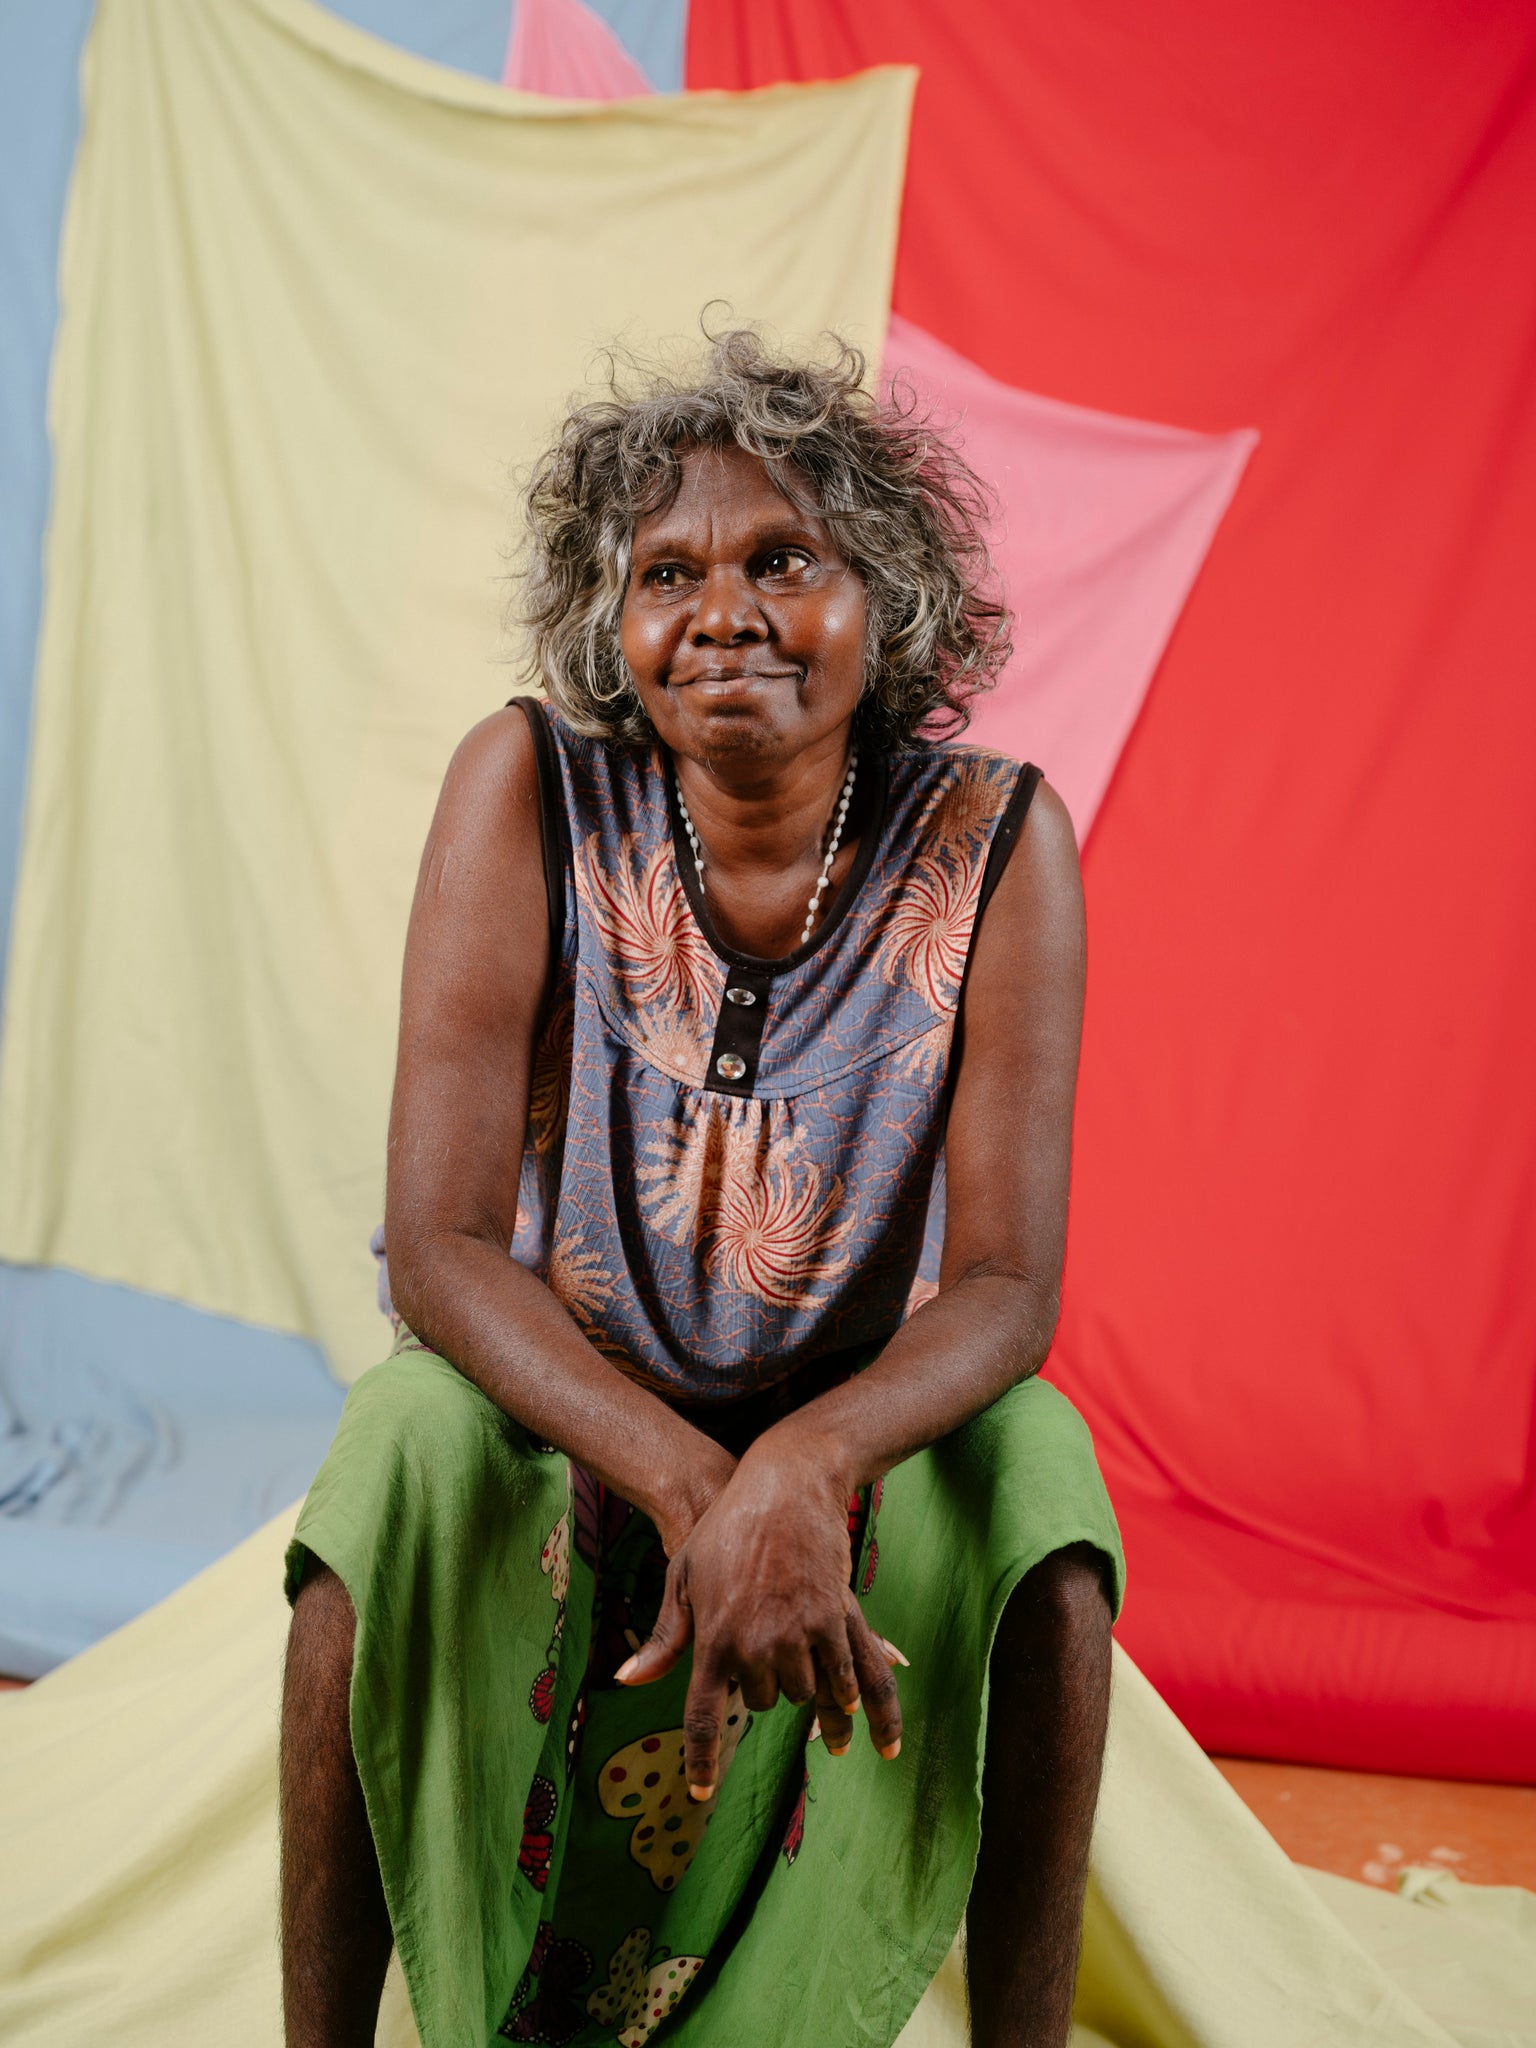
(727, 613)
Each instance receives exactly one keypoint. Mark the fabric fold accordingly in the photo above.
(320, 300)
(161, 1743)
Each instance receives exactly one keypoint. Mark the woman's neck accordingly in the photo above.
(763, 833)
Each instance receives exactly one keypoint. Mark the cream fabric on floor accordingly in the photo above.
(317, 296)
(137, 1887)
(1466, 1952)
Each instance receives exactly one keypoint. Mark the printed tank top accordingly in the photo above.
(730, 1161)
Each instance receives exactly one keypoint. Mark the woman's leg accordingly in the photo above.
(418, 1665)
(336, 1937)
(1049, 1708)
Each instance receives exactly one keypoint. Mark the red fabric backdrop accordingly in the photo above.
(1301, 1294)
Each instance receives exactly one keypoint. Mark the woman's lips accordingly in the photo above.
(716, 683)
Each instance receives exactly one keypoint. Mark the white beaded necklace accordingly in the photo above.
(835, 826)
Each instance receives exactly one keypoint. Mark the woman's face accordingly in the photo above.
(743, 626)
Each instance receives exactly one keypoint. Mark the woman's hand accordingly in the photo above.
(693, 1482)
(761, 1588)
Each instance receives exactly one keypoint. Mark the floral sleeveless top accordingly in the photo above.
(730, 1161)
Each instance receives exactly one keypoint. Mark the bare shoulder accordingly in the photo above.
(495, 763)
(1048, 842)
(1036, 913)
(1009, 1142)
(478, 924)
(475, 978)
(488, 811)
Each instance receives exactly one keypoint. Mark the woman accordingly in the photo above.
(607, 1559)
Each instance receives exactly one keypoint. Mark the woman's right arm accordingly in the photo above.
(477, 968)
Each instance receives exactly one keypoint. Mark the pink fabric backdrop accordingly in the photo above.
(1300, 1298)
(1105, 521)
(562, 48)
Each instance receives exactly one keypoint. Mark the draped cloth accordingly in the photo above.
(1103, 522)
(318, 295)
(147, 1916)
(1300, 1296)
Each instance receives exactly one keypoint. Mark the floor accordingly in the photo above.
(1367, 1826)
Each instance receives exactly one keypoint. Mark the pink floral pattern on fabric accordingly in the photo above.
(777, 1236)
(550, 1093)
(648, 930)
(765, 1220)
(929, 933)
(578, 1277)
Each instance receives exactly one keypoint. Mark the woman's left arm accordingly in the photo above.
(1008, 1153)
(766, 1571)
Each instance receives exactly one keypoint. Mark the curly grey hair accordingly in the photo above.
(904, 508)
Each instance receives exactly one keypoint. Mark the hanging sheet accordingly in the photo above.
(1300, 1303)
(318, 295)
(139, 1438)
(39, 120)
(136, 1446)
(1101, 526)
(565, 38)
(161, 1745)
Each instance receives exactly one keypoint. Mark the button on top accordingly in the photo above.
(742, 996)
(730, 1066)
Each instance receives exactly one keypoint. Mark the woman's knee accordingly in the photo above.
(322, 1632)
(419, 1413)
(1061, 1608)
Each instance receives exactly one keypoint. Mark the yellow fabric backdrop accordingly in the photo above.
(317, 296)
(139, 1873)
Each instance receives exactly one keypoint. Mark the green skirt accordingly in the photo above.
(546, 1875)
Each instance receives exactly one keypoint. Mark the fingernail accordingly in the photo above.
(843, 1751)
(850, 1706)
(701, 1792)
(893, 1752)
(894, 1654)
(621, 1676)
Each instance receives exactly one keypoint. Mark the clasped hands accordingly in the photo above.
(759, 1583)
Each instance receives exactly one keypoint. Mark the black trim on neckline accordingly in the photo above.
(739, 1032)
(837, 910)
